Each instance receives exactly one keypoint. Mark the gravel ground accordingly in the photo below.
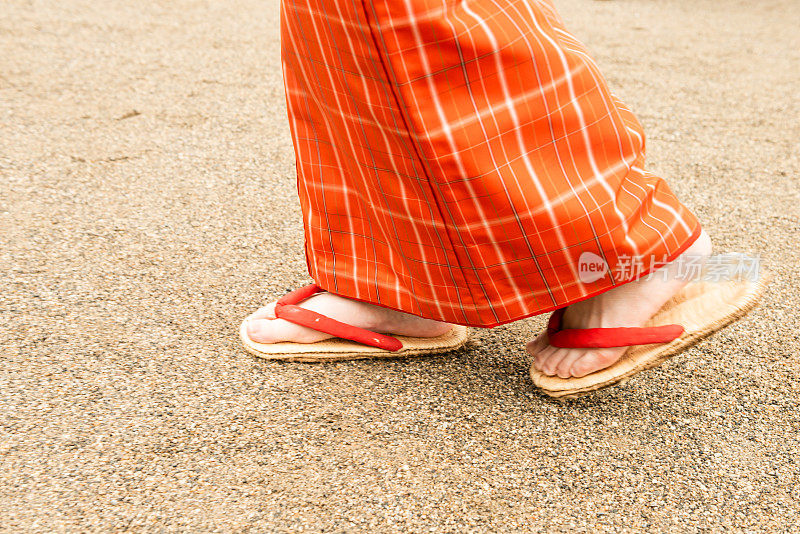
(147, 203)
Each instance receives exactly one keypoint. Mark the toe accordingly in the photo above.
(564, 368)
(261, 330)
(536, 345)
(550, 365)
(265, 312)
(278, 330)
(542, 356)
(594, 361)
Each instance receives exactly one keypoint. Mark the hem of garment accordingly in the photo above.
(680, 250)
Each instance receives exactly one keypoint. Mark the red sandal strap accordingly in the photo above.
(286, 308)
(607, 337)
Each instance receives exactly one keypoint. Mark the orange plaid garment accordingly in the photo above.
(456, 157)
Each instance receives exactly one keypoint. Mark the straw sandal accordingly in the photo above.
(697, 311)
(350, 342)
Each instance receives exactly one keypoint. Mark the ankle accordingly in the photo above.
(702, 246)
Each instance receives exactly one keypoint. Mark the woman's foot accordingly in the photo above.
(628, 305)
(263, 327)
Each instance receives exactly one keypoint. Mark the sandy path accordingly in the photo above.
(147, 204)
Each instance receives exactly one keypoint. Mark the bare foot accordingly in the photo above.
(627, 305)
(263, 327)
